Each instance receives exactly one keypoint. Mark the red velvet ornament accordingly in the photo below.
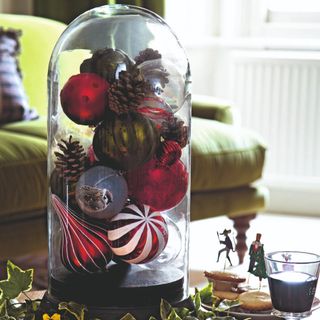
(83, 98)
(84, 246)
(138, 234)
(161, 187)
(169, 152)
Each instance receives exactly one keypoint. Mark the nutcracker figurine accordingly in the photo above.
(256, 252)
(228, 244)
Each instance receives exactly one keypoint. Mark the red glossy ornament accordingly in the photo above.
(84, 246)
(138, 234)
(169, 152)
(83, 98)
(161, 187)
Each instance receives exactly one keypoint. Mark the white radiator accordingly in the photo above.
(278, 94)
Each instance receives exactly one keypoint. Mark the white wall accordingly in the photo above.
(264, 100)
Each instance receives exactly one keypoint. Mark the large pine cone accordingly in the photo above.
(174, 129)
(152, 70)
(71, 159)
(147, 54)
(126, 93)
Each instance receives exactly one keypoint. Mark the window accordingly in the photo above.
(237, 19)
(292, 18)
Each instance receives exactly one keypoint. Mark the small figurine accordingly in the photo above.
(228, 244)
(257, 265)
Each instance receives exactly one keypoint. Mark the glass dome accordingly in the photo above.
(119, 161)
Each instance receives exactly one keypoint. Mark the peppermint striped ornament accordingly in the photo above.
(138, 234)
(84, 246)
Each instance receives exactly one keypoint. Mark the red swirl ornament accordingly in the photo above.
(138, 234)
(84, 246)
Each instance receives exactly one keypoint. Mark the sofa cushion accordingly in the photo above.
(23, 173)
(235, 202)
(224, 156)
(14, 105)
(36, 128)
(213, 108)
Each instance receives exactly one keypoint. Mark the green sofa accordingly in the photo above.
(226, 159)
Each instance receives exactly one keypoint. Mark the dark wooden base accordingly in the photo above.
(241, 225)
(122, 285)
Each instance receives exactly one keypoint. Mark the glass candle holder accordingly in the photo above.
(292, 277)
(119, 162)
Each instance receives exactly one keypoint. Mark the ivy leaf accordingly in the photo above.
(29, 316)
(206, 293)
(225, 305)
(152, 318)
(165, 309)
(182, 312)
(128, 316)
(197, 301)
(203, 315)
(173, 315)
(2, 305)
(16, 310)
(76, 309)
(2, 302)
(17, 281)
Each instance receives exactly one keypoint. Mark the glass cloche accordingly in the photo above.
(119, 163)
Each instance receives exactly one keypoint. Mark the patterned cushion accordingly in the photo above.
(13, 102)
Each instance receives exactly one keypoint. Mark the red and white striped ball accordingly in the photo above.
(138, 234)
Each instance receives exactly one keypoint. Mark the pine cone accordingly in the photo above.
(70, 160)
(127, 92)
(147, 54)
(153, 72)
(174, 129)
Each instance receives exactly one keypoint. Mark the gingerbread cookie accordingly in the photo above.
(229, 295)
(255, 301)
(224, 276)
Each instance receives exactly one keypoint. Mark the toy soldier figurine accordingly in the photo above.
(257, 266)
(228, 244)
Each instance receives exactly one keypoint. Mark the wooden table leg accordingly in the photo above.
(241, 225)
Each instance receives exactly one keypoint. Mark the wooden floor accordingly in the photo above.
(278, 232)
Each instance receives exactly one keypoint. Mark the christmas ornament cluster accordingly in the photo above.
(110, 197)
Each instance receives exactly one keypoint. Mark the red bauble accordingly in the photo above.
(138, 234)
(84, 246)
(83, 98)
(161, 187)
(169, 152)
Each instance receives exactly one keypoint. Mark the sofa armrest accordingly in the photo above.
(208, 107)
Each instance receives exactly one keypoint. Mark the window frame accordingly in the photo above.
(287, 24)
